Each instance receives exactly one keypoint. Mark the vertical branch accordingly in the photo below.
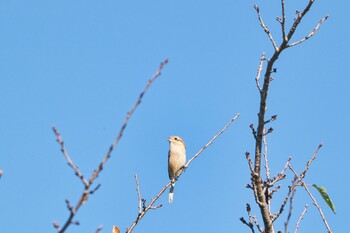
(267, 168)
(258, 184)
(283, 21)
(301, 218)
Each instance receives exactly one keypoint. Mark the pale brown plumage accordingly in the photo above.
(176, 161)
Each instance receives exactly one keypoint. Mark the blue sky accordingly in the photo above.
(80, 65)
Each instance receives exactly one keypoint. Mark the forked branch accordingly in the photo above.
(88, 183)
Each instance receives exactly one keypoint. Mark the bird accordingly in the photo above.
(176, 161)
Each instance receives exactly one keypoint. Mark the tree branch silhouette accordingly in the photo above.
(260, 187)
(88, 183)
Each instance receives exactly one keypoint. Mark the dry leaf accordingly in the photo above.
(115, 230)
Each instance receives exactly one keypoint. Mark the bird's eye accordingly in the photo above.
(175, 138)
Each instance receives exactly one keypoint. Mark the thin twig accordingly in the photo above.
(255, 220)
(283, 21)
(291, 191)
(87, 184)
(312, 33)
(265, 27)
(250, 164)
(212, 140)
(302, 175)
(301, 218)
(286, 223)
(151, 206)
(138, 194)
(267, 169)
(99, 229)
(128, 116)
(250, 224)
(66, 155)
(280, 176)
(258, 75)
(317, 206)
(302, 183)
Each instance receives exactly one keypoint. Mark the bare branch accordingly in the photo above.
(286, 223)
(128, 116)
(312, 33)
(302, 175)
(261, 189)
(267, 169)
(151, 206)
(212, 140)
(301, 218)
(283, 21)
(262, 24)
(95, 189)
(273, 118)
(258, 75)
(247, 156)
(317, 206)
(255, 220)
(87, 184)
(139, 199)
(99, 229)
(302, 183)
(250, 224)
(66, 155)
(291, 191)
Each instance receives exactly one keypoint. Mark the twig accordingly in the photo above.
(255, 220)
(250, 224)
(212, 140)
(302, 175)
(99, 229)
(87, 184)
(301, 218)
(302, 183)
(265, 27)
(312, 33)
(267, 169)
(298, 20)
(151, 206)
(250, 164)
(283, 21)
(291, 191)
(286, 223)
(128, 116)
(69, 160)
(139, 200)
(317, 206)
(281, 175)
(258, 75)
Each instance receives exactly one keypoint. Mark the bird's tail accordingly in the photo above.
(171, 193)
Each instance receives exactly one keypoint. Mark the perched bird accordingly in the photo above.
(176, 161)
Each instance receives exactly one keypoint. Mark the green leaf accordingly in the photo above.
(325, 196)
